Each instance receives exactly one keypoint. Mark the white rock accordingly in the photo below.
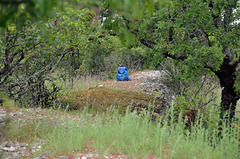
(9, 149)
(100, 86)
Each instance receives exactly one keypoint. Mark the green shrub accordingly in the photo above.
(194, 97)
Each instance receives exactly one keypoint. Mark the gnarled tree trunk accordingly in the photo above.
(227, 76)
(229, 96)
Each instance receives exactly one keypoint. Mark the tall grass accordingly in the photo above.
(78, 83)
(138, 137)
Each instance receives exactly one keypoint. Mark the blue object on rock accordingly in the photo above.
(122, 74)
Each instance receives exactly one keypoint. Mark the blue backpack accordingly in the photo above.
(122, 74)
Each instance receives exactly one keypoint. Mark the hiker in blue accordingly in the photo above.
(122, 74)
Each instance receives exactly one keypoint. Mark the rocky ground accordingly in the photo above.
(15, 149)
(145, 81)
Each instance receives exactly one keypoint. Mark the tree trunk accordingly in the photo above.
(227, 76)
(229, 97)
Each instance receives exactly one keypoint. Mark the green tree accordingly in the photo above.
(201, 34)
(29, 54)
(20, 10)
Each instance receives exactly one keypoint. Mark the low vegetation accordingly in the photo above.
(101, 99)
(130, 135)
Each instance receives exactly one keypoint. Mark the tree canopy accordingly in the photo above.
(20, 10)
(202, 35)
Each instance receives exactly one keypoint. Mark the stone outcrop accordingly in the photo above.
(150, 83)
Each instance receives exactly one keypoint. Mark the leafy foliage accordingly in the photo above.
(18, 11)
(104, 55)
(30, 54)
(202, 36)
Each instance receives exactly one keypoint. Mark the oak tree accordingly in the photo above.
(200, 34)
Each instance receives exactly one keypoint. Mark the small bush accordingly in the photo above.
(193, 97)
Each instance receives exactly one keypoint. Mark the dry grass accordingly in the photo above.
(78, 84)
(238, 109)
(101, 99)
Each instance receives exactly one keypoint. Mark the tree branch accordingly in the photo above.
(216, 17)
(202, 37)
(181, 58)
(40, 71)
(209, 67)
(147, 42)
(227, 16)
